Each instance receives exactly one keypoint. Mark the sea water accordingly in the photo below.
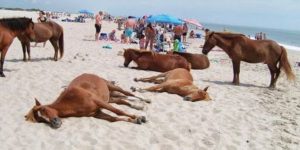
(288, 38)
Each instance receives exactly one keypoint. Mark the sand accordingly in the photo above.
(249, 116)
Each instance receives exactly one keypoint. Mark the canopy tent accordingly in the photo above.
(85, 11)
(193, 22)
(164, 19)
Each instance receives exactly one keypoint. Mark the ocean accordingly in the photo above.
(289, 39)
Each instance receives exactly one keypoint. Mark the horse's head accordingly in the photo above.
(44, 114)
(210, 42)
(198, 95)
(127, 57)
(29, 31)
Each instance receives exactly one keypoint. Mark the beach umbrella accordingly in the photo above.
(85, 11)
(193, 22)
(164, 19)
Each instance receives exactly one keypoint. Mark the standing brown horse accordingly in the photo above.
(43, 32)
(147, 60)
(85, 96)
(198, 61)
(240, 48)
(9, 29)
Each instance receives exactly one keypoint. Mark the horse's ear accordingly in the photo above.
(37, 103)
(205, 89)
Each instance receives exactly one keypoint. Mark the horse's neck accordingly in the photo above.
(188, 89)
(223, 43)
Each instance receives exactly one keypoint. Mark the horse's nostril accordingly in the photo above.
(186, 98)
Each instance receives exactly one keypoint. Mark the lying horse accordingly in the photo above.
(178, 81)
(43, 32)
(85, 96)
(198, 61)
(240, 48)
(9, 29)
(147, 60)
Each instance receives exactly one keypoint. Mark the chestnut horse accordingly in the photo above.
(178, 81)
(9, 29)
(198, 61)
(240, 48)
(43, 32)
(85, 96)
(147, 60)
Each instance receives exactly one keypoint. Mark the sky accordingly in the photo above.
(280, 14)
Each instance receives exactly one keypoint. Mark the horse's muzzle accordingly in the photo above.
(55, 122)
(204, 51)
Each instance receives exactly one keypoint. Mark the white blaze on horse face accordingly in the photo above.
(42, 116)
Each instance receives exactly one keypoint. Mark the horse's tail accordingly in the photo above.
(61, 44)
(283, 62)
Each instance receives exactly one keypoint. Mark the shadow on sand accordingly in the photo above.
(32, 60)
(230, 83)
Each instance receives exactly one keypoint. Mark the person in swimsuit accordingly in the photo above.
(178, 31)
(129, 25)
(150, 36)
(185, 31)
(98, 23)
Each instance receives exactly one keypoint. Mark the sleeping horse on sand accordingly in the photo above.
(85, 96)
(178, 81)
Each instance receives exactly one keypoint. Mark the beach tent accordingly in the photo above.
(84, 11)
(193, 22)
(164, 19)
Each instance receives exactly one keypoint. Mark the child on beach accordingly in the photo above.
(123, 37)
(142, 41)
(112, 35)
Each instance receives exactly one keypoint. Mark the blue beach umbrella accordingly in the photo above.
(164, 19)
(85, 11)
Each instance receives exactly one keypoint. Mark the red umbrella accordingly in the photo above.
(194, 22)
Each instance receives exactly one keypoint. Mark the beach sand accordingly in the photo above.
(249, 116)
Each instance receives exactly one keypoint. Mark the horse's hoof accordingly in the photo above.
(113, 82)
(135, 79)
(137, 120)
(133, 89)
(147, 100)
(143, 119)
(2, 75)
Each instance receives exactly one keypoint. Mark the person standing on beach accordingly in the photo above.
(185, 31)
(98, 24)
(150, 36)
(129, 26)
(178, 31)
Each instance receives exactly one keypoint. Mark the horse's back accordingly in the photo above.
(170, 62)
(179, 73)
(91, 83)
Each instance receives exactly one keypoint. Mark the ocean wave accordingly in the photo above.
(290, 47)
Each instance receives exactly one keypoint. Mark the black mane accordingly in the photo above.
(16, 24)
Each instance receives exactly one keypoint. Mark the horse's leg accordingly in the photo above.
(121, 101)
(112, 88)
(272, 69)
(156, 88)
(236, 72)
(152, 78)
(3, 53)
(55, 46)
(105, 105)
(104, 116)
(24, 50)
(28, 50)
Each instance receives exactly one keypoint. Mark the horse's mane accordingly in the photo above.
(16, 24)
(229, 35)
(139, 51)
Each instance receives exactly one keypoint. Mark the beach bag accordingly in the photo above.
(103, 36)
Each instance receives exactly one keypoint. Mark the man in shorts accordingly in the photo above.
(98, 24)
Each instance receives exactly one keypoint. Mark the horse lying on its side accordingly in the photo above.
(85, 96)
(178, 81)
